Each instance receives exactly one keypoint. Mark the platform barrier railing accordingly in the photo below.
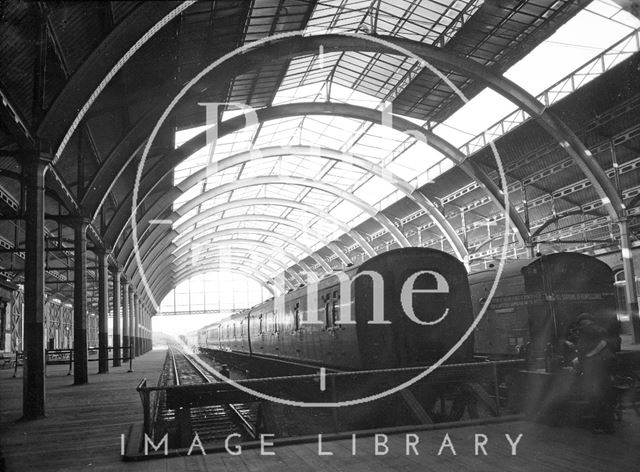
(123, 355)
(453, 392)
(151, 399)
(65, 356)
(145, 397)
(52, 357)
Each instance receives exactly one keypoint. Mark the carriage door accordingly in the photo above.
(3, 323)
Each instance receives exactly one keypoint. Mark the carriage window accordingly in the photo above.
(260, 324)
(335, 309)
(296, 317)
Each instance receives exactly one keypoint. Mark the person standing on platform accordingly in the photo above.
(595, 363)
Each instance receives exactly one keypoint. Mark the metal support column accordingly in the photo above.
(136, 322)
(116, 318)
(631, 293)
(103, 313)
(140, 327)
(147, 333)
(80, 351)
(147, 324)
(132, 320)
(141, 321)
(125, 319)
(33, 396)
(143, 329)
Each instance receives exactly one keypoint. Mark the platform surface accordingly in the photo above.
(84, 424)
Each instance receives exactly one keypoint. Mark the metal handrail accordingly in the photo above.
(468, 365)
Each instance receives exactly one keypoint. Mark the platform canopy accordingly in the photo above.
(282, 140)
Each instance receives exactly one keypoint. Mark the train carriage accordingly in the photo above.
(537, 302)
(347, 334)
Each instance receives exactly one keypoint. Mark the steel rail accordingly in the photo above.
(244, 423)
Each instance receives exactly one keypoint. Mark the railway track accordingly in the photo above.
(215, 422)
(185, 370)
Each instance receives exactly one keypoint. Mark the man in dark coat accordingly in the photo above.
(595, 362)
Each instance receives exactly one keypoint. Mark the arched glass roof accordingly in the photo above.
(371, 80)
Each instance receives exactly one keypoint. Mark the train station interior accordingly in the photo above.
(320, 235)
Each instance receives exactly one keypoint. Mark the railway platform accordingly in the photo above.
(85, 423)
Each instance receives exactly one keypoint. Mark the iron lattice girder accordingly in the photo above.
(149, 244)
(232, 262)
(242, 254)
(97, 65)
(263, 54)
(127, 247)
(304, 150)
(167, 240)
(160, 251)
(246, 273)
(556, 167)
(550, 170)
(561, 192)
(578, 228)
(186, 250)
(196, 242)
(162, 254)
(164, 166)
(447, 60)
(159, 264)
(538, 201)
(602, 146)
(282, 284)
(165, 284)
(418, 197)
(554, 126)
(146, 223)
(263, 218)
(54, 185)
(380, 217)
(163, 247)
